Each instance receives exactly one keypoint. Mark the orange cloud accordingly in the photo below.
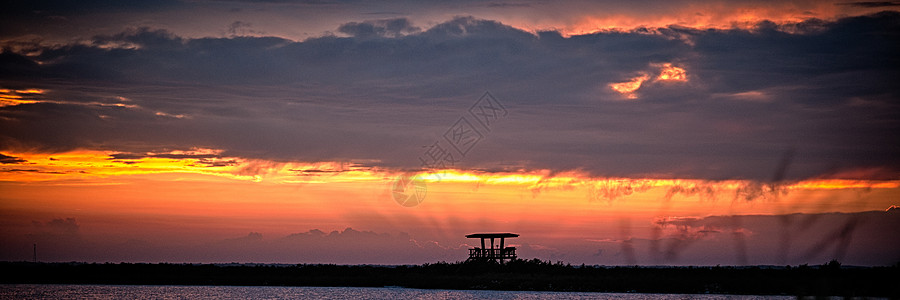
(103, 166)
(627, 88)
(672, 73)
(85, 164)
(588, 18)
(12, 97)
(189, 181)
(667, 72)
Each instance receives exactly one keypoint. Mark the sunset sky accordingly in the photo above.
(360, 132)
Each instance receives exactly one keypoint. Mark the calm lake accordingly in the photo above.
(70, 291)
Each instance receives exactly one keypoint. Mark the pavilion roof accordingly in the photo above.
(491, 235)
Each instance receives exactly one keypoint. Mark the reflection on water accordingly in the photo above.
(71, 291)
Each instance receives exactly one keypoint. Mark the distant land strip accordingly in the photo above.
(830, 279)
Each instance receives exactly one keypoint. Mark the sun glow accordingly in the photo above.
(84, 165)
(195, 178)
(221, 196)
(106, 166)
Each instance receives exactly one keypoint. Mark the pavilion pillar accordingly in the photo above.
(501, 250)
(493, 254)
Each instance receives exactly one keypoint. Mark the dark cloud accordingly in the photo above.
(508, 4)
(379, 28)
(824, 88)
(238, 28)
(13, 64)
(251, 237)
(69, 7)
(314, 2)
(62, 227)
(871, 4)
(347, 246)
(794, 238)
(385, 13)
(133, 156)
(22, 18)
(30, 171)
(6, 159)
(208, 160)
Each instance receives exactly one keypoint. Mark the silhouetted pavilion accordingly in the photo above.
(495, 254)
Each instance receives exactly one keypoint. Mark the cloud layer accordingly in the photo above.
(390, 87)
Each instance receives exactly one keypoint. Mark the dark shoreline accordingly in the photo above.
(522, 275)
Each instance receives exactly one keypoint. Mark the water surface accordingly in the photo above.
(73, 291)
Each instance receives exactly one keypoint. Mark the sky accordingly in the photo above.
(356, 132)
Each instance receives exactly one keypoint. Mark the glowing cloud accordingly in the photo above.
(13, 97)
(672, 73)
(704, 15)
(9, 97)
(103, 165)
(91, 167)
(627, 88)
(667, 73)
